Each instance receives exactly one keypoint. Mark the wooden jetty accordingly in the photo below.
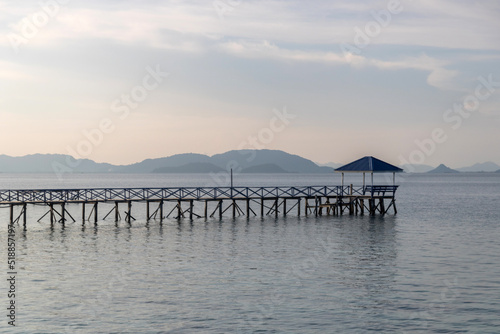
(185, 202)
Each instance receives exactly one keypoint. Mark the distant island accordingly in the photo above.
(443, 169)
(241, 161)
(485, 167)
(481, 167)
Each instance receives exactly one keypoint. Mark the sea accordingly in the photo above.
(434, 267)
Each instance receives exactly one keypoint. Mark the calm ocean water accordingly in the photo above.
(432, 268)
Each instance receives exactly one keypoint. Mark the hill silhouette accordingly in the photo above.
(481, 167)
(443, 169)
(265, 168)
(251, 161)
(194, 167)
(47, 163)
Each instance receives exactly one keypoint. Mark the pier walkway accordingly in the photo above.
(316, 200)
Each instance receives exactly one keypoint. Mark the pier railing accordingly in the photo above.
(333, 199)
(178, 193)
(380, 190)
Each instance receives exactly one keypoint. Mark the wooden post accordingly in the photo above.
(362, 206)
(11, 214)
(284, 206)
(382, 206)
(191, 209)
(276, 203)
(179, 210)
(95, 213)
(394, 204)
(248, 207)
(63, 212)
(220, 209)
(234, 208)
(25, 208)
(83, 213)
(129, 215)
(316, 206)
(351, 203)
(298, 207)
(147, 210)
(117, 212)
(161, 211)
(262, 207)
(206, 209)
(51, 213)
(306, 207)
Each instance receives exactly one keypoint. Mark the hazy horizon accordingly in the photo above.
(316, 162)
(329, 81)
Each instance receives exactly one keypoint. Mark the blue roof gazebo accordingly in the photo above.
(370, 165)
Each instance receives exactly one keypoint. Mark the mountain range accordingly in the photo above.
(241, 161)
(481, 167)
(486, 167)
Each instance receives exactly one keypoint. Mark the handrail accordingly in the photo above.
(380, 189)
(169, 193)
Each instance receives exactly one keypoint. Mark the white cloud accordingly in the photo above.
(444, 24)
(443, 78)
(265, 49)
(439, 76)
(194, 26)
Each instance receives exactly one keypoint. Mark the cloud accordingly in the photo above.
(444, 24)
(265, 49)
(129, 27)
(161, 28)
(439, 76)
(443, 78)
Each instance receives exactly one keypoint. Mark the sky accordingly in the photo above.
(409, 81)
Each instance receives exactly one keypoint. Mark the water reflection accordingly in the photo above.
(365, 264)
(367, 245)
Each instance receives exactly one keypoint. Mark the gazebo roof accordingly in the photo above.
(369, 165)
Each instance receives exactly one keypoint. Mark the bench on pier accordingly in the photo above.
(380, 190)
